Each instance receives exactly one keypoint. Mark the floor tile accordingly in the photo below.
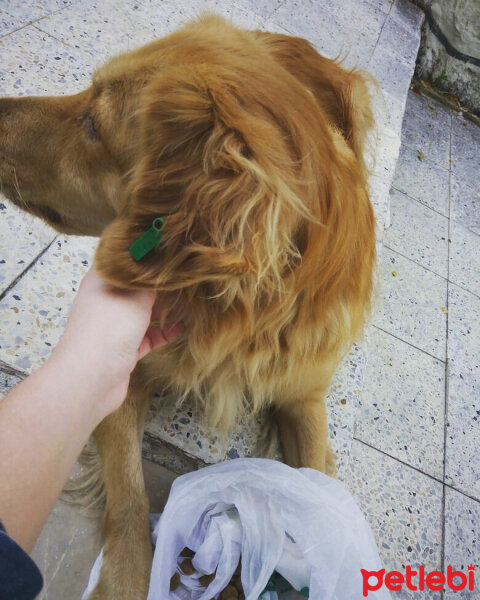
(379, 197)
(8, 380)
(418, 233)
(99, 29)
(403, 403)
(263, 8)
(426, 129)
(25, 11)
(462, 527)
(71, 539)
(403, 508)
(22, 238)
(463, 406)
(412, 303)
(7, 23)
(400, 36)
(423, 180)
(464, 258)
(34, 63)
(464, 204)
(324, 29)
(66, 550)
(246, 19)
(462, 539)
(386, 154)
(466, 151)
(393, 73)
(407, 14)
(33, 313)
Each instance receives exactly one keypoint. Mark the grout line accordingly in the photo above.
(418, 470)
(406, 342)
(445, 422)
(414, 261)
(33, 21)
(419, 201)
(475, 294)
(27, 268)
(7, 369)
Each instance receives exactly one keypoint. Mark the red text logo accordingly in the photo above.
(418, 580)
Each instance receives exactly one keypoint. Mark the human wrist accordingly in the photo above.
(86, 381)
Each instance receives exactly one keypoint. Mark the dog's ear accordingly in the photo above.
(343, 94)
(217, 158)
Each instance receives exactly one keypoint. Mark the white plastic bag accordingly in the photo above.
(299, 522)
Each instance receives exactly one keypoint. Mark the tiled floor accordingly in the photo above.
(419, 424)
(424, 337)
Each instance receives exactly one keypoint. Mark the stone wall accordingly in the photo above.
(449, 56)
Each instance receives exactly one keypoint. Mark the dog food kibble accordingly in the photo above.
(229, 593)
(206, 580)
(174, 582)
(187, 567)
(233, 591)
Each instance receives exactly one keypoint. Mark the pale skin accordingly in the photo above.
(47, 419)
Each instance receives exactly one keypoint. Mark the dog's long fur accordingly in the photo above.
(252, 146)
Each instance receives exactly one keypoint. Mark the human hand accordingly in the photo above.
(107, 332)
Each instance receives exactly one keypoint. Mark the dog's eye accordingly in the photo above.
(91, 128)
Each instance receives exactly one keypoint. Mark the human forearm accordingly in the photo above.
(44, 423)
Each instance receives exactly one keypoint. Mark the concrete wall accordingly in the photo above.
(450, 51)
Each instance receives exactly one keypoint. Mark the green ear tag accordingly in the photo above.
(147, 242)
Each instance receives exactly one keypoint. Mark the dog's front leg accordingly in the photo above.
(303, 433)
(127, 552)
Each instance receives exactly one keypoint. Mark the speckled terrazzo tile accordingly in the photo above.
(31, 10)
(393, 73)
(163, 18)
(22, 238)
(464, 258)
(464, 204)
(403, 508)
(386, 153)
(33, 313)
(379, 197)
(423, 180)
(402, 403)
(412, 303)
(246, 19)
(418, 232)
(463, 416)
(8, 380)
(182, 426)
(426, 129)
(388, 115)
(99, 28)
(408, 15)
(466, 151)
(263, 8)
(327, 30)
(34, 63)
(462, 539)
(399, 36)
(8, 23)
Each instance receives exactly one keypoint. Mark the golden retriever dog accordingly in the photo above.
(250, 147)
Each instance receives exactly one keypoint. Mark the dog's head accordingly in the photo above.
(241, 141)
